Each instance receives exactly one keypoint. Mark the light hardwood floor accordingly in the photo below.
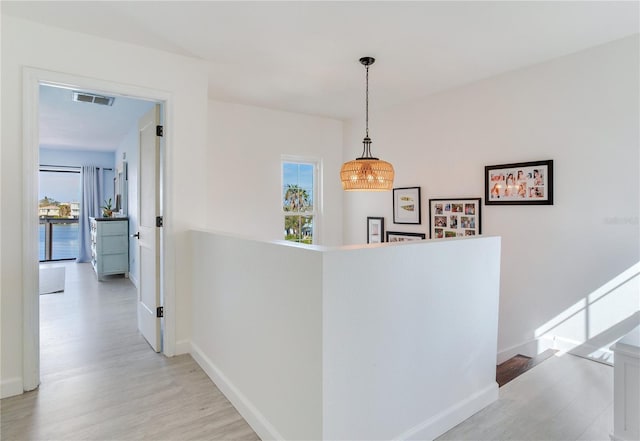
(100, 380)
(563, 398)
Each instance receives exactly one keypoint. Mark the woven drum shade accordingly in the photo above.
(367, 174)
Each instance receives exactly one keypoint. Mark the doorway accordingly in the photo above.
(33, 80)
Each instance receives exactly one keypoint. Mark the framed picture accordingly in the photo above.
(523, 183)
(455, 217)
(375, 229)
(406, 205)
(397, 236)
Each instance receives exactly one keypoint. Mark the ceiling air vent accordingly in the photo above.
(85, 97)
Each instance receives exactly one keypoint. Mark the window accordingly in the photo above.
(299, 196)
(58, 210)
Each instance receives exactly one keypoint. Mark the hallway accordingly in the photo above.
(101, 380)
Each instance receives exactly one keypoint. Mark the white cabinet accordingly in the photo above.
(110, 245)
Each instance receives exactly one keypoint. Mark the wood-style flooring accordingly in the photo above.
(518, 365)
(100, 380)
(563, 399)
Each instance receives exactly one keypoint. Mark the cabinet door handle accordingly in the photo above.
(137, 235)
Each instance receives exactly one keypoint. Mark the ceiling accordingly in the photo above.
(303, 56)
(71, 125)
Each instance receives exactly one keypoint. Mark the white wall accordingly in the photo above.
(389, 341)
(581, 111)
(257, 330)
(130, 147)
(590, 326)
(409, 337)
(246, 145)
(183, 80)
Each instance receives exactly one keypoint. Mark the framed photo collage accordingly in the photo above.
(522, 183)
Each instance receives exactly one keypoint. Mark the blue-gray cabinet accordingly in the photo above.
(109, 245)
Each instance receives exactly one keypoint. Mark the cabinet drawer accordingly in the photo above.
(114, 263)
(111, 228)
(114, 244)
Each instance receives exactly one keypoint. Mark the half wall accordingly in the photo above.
(388, 341)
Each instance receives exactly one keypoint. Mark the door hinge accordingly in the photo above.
(159, 221)
(160, 311)
(159, 130)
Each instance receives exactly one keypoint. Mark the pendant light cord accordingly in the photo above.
(366, 142)
(367, 103)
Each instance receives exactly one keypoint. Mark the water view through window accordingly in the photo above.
(65, 241)
(58, 210)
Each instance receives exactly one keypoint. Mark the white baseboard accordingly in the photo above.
(11, 387)
(567, 345)
(564, 344)
(249, 412)
(429, 429)
(451, 417)
(133, 279)
(584, 350)
(561, 344)
(183, 347)
(529, 348)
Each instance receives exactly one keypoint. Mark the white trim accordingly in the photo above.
(167, 257)
(534, 347)
(11, 387)
(30, 271)
(249, 412)
(451, 417)
(32, 78)
(529, 348)
(133, 279)
(428, 429)
(183, 347)
(567, 344)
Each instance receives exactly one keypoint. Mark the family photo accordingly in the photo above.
(529, 182)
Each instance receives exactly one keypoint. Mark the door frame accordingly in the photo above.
(32, 79)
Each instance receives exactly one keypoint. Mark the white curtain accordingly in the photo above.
(91, 179)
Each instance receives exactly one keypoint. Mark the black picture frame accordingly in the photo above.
(455, 217)
(520, 183)
(401, 236)
(375, 229)
(406, 205)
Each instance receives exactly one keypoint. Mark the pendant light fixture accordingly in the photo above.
(367, 173)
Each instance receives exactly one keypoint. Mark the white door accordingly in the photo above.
(148, 232)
